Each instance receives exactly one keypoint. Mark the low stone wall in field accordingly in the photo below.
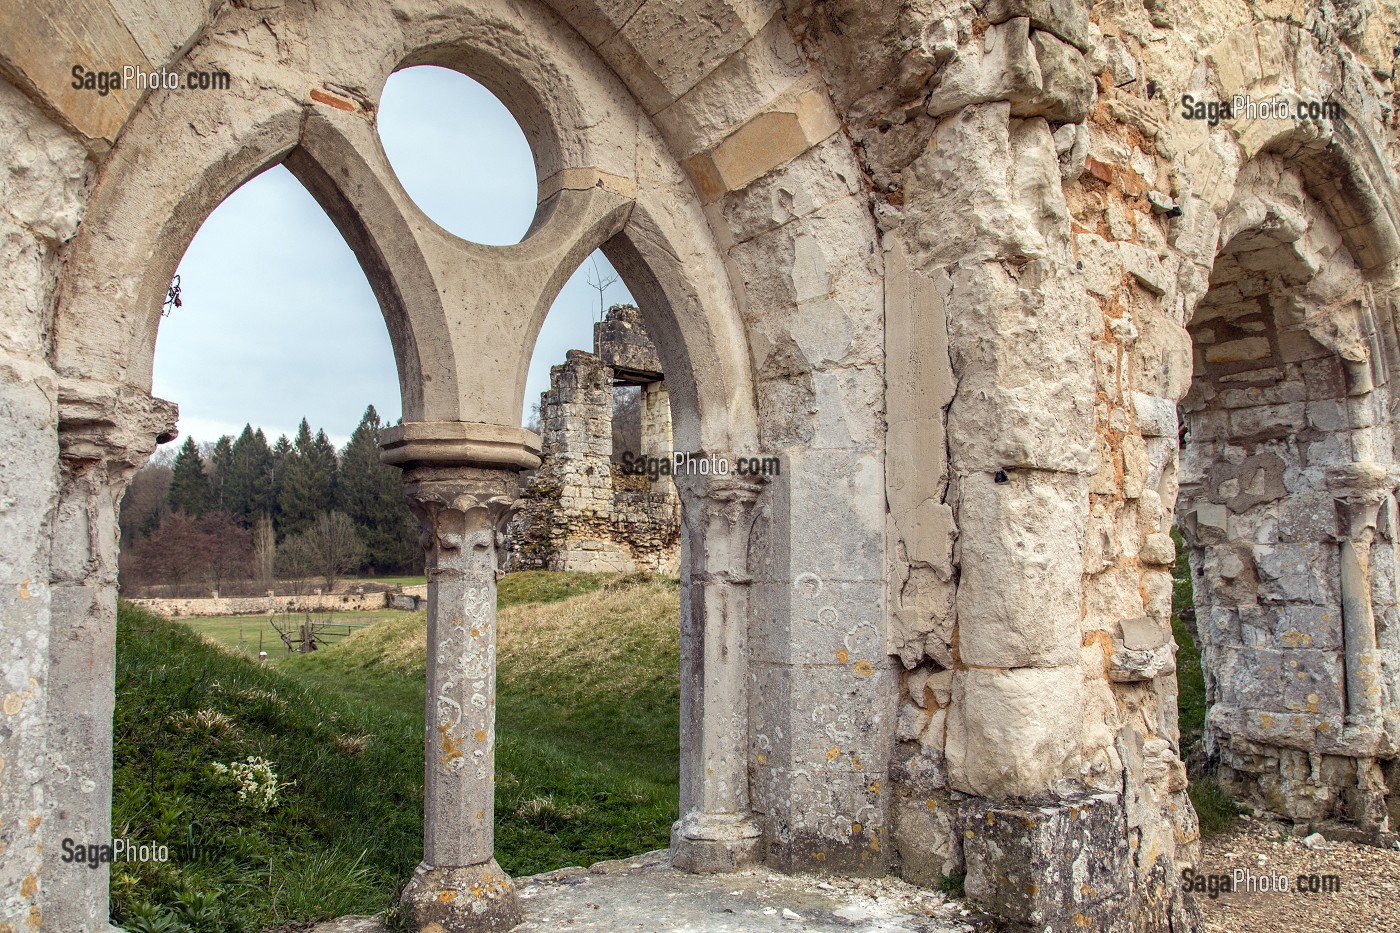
(262, 605)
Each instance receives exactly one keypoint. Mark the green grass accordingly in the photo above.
(227, 630)
(344, 835)
(1190, 678)
(419, 580)
(587, 754)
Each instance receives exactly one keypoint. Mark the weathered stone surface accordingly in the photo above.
(1019, 541)
(1014, 733)
(953, 265)
(1058, 866)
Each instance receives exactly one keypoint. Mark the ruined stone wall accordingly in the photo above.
(1049, 224)
(581, 510)
(44, 179)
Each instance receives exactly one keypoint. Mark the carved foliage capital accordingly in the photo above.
(455, 505)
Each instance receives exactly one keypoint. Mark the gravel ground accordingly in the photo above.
(1369, 878)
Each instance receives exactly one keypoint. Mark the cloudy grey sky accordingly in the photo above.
(278, 321)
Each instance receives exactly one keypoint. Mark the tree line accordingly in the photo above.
(242, 509)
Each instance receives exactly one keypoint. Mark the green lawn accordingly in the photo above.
(396, 581)
(586, 758)
(241, 633)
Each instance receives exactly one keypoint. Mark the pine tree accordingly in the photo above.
(189, 486)
(371, 493)
(281, 458)
(307, 481)
(220, 463)
(248, 487)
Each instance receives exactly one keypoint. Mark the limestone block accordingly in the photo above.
(1135, 466)
(1112, 595)
(1068, 90)
(1230, 576)
(1301, 626)
(44, 41)
(1304, 572)
(796, 121)
(1020, 545)
(1060, 866)
(1067, 19)
(1158, 549)
(1001, 67)
(162, 29)
(743, 84)
(1128, 665)
(1156, 417)
(1024, 383)
(844, 397)
(1250, 678)
(1100, 540)
(675, 52)
(826, 253)
(596, 20)
(1016, 732)
(1161, 357)
(836, 624)
(45, 179)
(1001, 179)
(820, 175)
(1314, 682)
(928, 835)
(828, 518)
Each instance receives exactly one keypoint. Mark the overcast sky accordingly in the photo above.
(278, 322)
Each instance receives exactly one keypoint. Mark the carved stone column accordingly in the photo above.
(461, 488)
(105, 434)
(717, 830)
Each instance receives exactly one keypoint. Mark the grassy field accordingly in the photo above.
(586, 758)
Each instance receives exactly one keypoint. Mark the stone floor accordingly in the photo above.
(645, 894)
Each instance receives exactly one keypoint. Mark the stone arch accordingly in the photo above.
(607, 178)
(1287, 495)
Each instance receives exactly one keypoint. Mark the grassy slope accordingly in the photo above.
(586, 761)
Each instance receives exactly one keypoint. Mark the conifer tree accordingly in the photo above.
(371, 494)
(307, 481)
(220, 463)
(189, 486)
(248, 487)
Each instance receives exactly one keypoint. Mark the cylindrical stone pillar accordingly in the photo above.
(460, 887)
(716, 831)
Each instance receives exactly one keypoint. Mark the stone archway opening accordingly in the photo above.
(1287, 506)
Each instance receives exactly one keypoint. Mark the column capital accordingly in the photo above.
(730, 494)
(453, 503)
(115, 425)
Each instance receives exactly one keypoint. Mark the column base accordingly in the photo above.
(705, 843)
(462, 899)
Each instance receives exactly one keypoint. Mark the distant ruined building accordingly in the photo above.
(582, 509)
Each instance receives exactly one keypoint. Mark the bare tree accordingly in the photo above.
(264, 550)
(330, 548)
(600, 283)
